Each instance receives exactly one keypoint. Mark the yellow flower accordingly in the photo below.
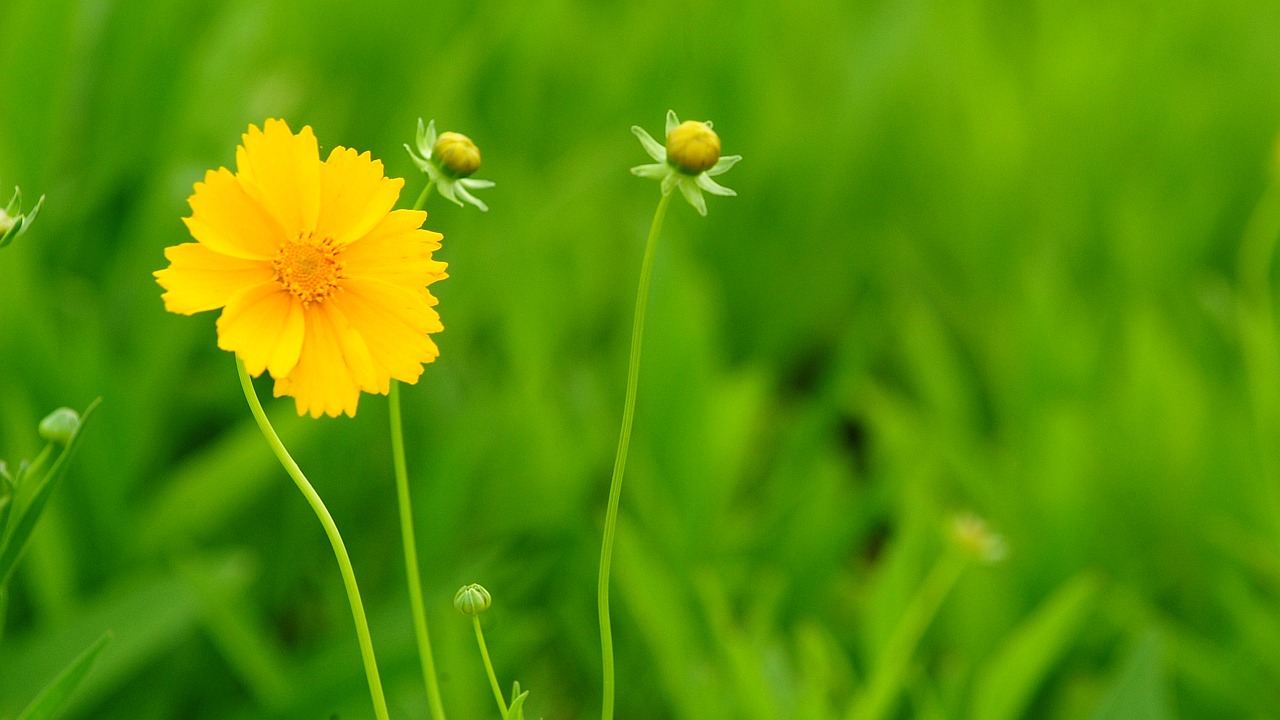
(320, 282)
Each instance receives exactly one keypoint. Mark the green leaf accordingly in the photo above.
(33, 492)
(55, 694)
(1138, 693)
(1007, 682)
(516, 710)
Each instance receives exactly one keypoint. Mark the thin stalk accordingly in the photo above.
(411, 557)
(620, 461)
(488, 666)
(335, 539)
(412, 577)
(1256, 315)
(422, 197)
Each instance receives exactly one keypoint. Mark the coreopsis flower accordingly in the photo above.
(689, 160)
(321, 283)
(12, 222)
(449, 159)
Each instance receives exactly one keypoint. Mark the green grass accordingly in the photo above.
(983, 258)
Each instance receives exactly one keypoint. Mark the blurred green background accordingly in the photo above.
(983, 258)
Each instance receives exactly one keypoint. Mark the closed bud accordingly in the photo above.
(456, 154)
(472, 600)
(693, 147)
(60, 425)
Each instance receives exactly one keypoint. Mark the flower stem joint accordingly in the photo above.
(472, 600)
(689, 160)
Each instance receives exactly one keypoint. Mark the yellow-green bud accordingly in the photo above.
(472, 600)
(693, 147)
(59, 425)
(6, 222)
(457, 154)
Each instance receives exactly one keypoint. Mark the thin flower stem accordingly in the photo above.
(422, 197)
(488, 666)
(412, 577)
(335, 539)
(411, 557)
(1259, 344)
(620, 461)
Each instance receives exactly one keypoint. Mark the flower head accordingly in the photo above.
(449, 159)
(689, 160)
(321, 283)
(14, 223)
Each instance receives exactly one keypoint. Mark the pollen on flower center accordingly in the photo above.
(309, 268)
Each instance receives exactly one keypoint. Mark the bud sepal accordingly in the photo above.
(12, 222)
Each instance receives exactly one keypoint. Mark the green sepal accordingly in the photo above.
(515, 711)
(50, 700)
(21, 222)
(34, 487)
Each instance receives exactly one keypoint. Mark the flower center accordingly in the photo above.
(309, 268)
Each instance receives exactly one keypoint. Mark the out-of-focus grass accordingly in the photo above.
(982, 258)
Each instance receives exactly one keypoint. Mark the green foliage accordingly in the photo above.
(50, 700)
(32, 487)
(984, 256)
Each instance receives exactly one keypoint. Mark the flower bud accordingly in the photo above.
(60, 425)
(693, 147)
(472, 600)
(456, 154)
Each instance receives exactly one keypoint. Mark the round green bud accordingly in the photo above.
(457, 154)
(693, 147)
(59, 425)
(472, 600)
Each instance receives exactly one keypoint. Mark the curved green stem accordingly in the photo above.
(411, 557)
(488, 666)
(620, 461)
(335, 539)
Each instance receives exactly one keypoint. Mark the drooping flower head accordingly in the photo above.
(688, 161)
(321, 283)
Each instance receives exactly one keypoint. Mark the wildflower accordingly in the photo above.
(14, 223)
(449, 160)
(689, 160)
(320, 282)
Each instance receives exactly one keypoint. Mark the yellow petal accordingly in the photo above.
(396, 251)
(228, 220)
(394, 322)
(200, 279)
(264, 326)
(321, 383)
(354, 195)
(282, 172)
